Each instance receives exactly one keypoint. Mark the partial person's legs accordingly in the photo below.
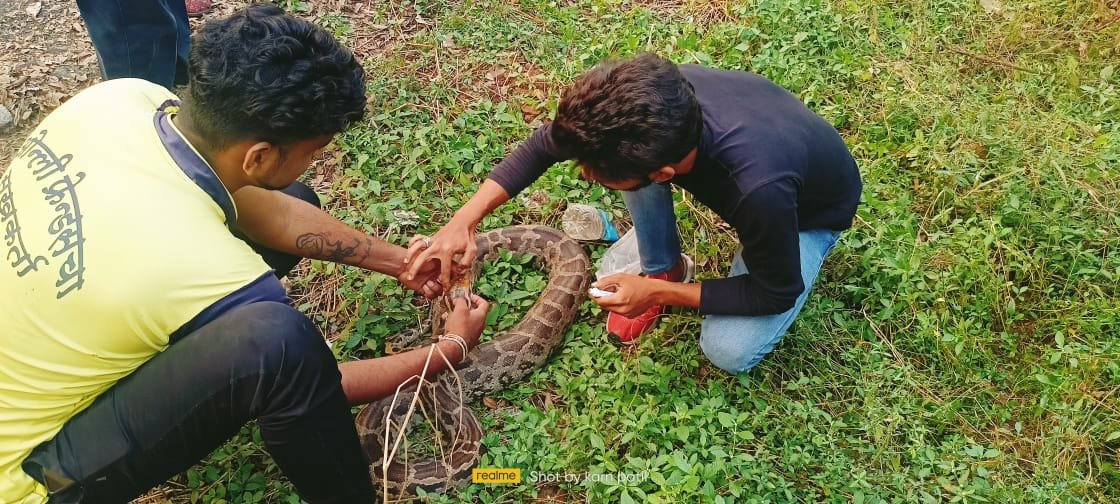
(145, 39)
(659, 246)
(737, 344)
(265, 361)
(279, 261)
(655, 224)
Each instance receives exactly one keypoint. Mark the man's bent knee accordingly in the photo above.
(734, 346)
(275, 334)
(299, 190)
(280, 360)
(726, 357)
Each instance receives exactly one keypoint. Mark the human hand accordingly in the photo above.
(467, 318)
(631, 294)
(425, 281)
(441, 249)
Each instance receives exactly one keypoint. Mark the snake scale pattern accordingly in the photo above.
(489, 367)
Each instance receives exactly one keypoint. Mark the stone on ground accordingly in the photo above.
(6, 118)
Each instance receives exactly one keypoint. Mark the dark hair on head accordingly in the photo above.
(624, 119)
(260, 74)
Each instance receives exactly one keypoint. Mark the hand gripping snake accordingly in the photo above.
(488, 368)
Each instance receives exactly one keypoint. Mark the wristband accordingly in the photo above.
(459, 341)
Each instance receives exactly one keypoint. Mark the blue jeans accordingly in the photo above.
(733, 343)
(146, 39)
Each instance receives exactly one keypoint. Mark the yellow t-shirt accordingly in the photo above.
(115, 237)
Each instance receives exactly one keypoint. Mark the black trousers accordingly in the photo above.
(263, 361)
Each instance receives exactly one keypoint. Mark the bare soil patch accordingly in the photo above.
(45, 58)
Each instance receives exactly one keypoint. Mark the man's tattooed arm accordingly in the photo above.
(321, 246)
(285, 224)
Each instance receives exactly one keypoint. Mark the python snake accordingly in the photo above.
(488, 368)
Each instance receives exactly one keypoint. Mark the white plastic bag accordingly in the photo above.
(621, 257)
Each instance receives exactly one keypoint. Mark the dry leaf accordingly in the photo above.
(992, 6)
(490, 403)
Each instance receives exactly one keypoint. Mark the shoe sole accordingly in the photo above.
(617, 341)
(689, 268)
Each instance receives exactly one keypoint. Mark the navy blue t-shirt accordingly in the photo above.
(766, 164)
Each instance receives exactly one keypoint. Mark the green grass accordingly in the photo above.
(963, 343)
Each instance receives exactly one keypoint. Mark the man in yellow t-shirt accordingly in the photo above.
(143, 322)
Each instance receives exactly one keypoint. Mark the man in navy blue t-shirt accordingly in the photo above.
(779, 174)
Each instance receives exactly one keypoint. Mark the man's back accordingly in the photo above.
(757, 132)
(113, 243)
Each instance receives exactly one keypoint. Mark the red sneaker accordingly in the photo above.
(196, 8)
(624, 331)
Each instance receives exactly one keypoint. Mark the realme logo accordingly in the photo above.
(496, 476)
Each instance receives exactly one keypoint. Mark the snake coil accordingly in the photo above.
(488, 368)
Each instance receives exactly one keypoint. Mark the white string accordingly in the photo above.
(387, 454)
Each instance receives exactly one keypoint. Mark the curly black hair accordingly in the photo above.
(260, 74)
(625, 119)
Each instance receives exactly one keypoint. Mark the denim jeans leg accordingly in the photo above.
(738, 343)
(655, 223)
(145, 39)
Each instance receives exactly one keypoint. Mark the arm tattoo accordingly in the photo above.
(319, 246)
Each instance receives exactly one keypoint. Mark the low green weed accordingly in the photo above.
(961, 344)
